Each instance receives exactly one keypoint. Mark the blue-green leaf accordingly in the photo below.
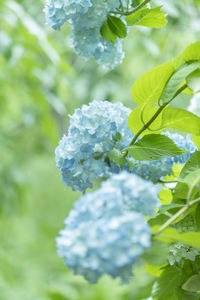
(154, 146)
(193, 81)
(192, 284)
(166, 285)
(176, 79)
(117, 27)
(118, 158)
(107, 34)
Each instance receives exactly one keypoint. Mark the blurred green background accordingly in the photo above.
(42, 81)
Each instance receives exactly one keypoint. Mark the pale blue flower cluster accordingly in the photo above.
(135, 193)
(105, 233)
(154, 170)
(86, 18)
(91, 135)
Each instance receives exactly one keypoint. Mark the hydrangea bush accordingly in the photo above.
(146, 211)
(114, 228)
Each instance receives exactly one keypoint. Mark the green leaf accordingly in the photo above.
(193, 81)
(160, 219)
(192, 52)
(167, 207)
(135, 123)
(135, 3)
(154, 146)
(166, 285)
(196, 140)
(154, 18)
(176, 79)
(188, 189)
(181, 119)
(154, 270)
(197, 217)
(117, 26)
(149, 86)
(170, 234)
(118, 158)
(192, 284)
(193, 164)
(107, 34)
(157, 254)
(165, 196)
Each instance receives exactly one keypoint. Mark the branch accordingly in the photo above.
(146, 125)
(127, 13)
(176, 216)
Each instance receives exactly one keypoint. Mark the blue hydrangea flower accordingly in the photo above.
(136, 194)
(106, 232)
(121, 193)
(56, 14)
(153, 170)
(91, 132)
(86, 18)
(105, 246)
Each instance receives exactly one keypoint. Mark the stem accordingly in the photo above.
(167, 181)
(121, 6)
(127, 7)
(146, 125)
(127, 13)
(178, 214)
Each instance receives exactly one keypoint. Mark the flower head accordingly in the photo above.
(81, 155)
(86, 18)
(105, 246)
(106, 231)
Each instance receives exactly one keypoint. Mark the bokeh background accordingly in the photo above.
(41, 82)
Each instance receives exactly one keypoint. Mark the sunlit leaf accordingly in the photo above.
(135, 121)
(170, 234)
(148, 87)
(193, 81)
(176, 79)
(154, 18)
(181, 119)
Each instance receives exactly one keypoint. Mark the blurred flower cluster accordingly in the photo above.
(106, 232)
(86, 18)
